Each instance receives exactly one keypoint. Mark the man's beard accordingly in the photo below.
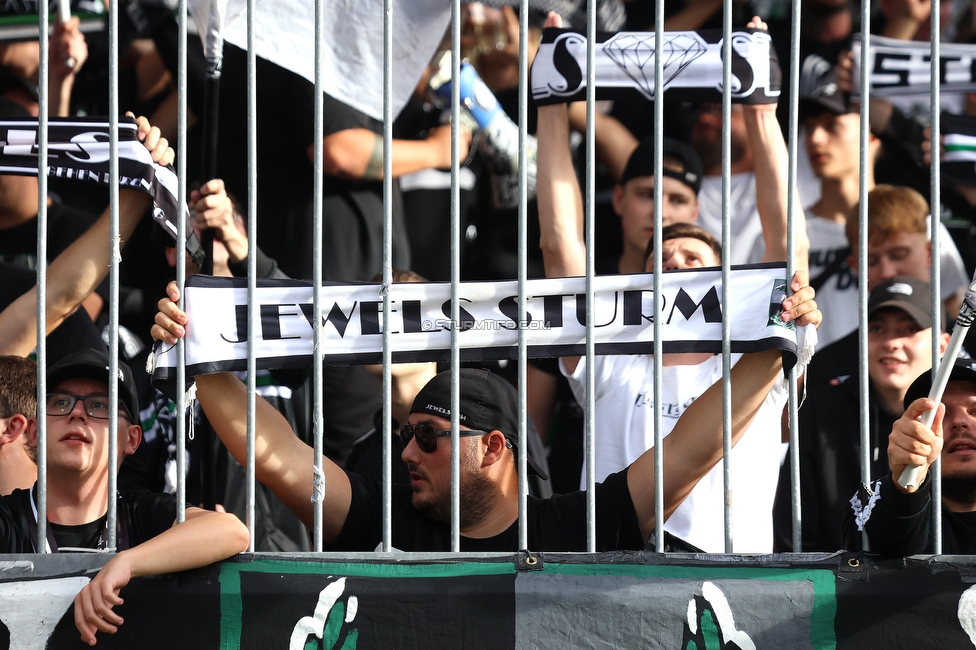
(960, 486)
(477, 497)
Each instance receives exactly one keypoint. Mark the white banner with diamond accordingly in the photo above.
(625, 62)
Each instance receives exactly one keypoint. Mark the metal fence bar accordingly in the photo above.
(523, 220)
(589, 220)
(181, 226)
(791, 208)
(318, 352)
(658, 268)
(727, 267)
(42, 108)
(252, 271)
(113, 341)
(455, 274)
(387, 453)
(935, 209)
(862, 250)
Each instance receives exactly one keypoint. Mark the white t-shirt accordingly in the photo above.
(625, 429)
(837, 297)
(744, 218)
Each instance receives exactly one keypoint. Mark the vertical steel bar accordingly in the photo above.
(862, 249)
(726, 266)
(589, 220)
(387, 273)
(523, 218)
(181, 226)
(791, 208)
(658, 269)
(252, 271)
(113, 313)
(935, 207)
(318, 476)
(455, 274)
(41, 307)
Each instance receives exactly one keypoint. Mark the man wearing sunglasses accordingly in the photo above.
(351, 503)
(149, 541)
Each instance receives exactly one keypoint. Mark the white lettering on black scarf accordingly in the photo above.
(625, 62)
(420, 325)
(903, 67)
(78, 149)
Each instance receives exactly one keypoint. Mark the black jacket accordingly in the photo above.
(830, 465)
(900, 524)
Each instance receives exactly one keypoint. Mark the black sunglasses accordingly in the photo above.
(427, 435)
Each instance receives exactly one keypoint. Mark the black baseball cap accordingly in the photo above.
(641, 162)
(819, 89)
(962, 370)
(93, 364)
(912, 296)
(488, 403)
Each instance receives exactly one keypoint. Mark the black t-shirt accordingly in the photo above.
(142, 515)
(352, 232)
(555, 524)
(18, 245)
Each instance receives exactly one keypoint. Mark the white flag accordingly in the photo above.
(352, 40)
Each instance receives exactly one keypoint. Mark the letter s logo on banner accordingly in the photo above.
(565, 57)
(91, 147)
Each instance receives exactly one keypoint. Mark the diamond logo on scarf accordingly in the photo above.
(634, 53)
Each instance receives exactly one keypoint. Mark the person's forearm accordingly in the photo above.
(358, 154)
(771, 164)
(71, 278)
(59, 91)
(202, 539)
(559, 199)
(614, 141)
(283, 462)
(84, 264)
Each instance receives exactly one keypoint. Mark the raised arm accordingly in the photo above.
(282, 461)
(75, 273)
(771, 160)
(694, 446)
(203, 538)
(559, 198)
(357, 153)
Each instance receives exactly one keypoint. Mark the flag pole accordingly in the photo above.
(967, 313)
(214, 50)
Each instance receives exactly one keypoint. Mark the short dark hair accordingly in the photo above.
(681, 231)
(18, 387)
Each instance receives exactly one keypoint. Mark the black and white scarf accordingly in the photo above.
(420, 326)
(78, 149)
(903, 67)
(625, 62)
(959, 156)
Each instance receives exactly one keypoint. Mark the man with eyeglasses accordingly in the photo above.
(352, 505)
(149, 541)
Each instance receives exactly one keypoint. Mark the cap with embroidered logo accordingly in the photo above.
(487, 402)
(912, 296)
